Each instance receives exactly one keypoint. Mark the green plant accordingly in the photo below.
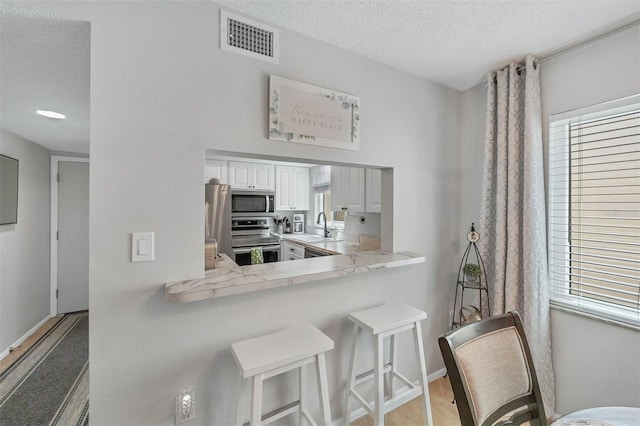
(472, 270)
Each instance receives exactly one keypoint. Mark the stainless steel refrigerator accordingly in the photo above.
(217, 216)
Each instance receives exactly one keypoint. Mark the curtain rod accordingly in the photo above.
(577, 45)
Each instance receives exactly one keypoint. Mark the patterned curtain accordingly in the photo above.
(513, 216)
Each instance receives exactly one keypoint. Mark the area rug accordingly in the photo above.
(49, 385)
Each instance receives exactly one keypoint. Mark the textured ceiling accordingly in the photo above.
(45, 62)
(454, 43)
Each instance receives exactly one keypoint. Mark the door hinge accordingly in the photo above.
(56, 293)
(57, 235)
(57, 177)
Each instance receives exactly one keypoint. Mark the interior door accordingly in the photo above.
(73, 236)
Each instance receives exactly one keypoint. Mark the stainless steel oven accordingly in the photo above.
(248, 232)
(242, 255)
(252, 202)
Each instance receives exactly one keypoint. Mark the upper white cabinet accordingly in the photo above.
(251, 176)
(348, 188)
(215, 169)
(373, 187)
(292, 188)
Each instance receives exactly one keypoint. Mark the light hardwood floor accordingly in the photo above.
(443, 411)
(15, 354)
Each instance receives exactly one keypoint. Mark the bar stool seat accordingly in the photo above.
(266, 356)
(387, 321)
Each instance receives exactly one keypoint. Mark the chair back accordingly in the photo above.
(492, 373)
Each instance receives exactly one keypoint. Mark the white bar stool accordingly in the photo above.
(383, 321)
(276, 353)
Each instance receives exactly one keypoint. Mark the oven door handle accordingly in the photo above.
(243, 250)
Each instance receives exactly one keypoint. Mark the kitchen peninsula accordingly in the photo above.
(229, 278)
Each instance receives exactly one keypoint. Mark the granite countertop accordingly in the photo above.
(229, 278)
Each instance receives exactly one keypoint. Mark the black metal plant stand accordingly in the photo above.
(474, 280)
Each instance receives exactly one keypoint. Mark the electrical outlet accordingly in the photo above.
(185, 406)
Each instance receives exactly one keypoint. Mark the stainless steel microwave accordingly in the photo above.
(252, 202)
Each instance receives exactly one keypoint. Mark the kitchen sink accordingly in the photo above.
(311, 238)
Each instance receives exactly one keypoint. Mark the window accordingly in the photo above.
(594, 210)
(321, 184)
(335, 219)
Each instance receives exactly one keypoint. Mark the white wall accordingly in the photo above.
(473, 104)
(595, 363)
(24, 246)
(162, 92)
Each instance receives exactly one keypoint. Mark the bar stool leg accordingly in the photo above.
(423, 373)
(323, 389)
(357, 331)
(302, 383)
(393, 359)
(379, 382)
(256, 401)
(240, 406)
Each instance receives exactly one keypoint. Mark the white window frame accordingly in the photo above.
(317, 209)
(559, 247)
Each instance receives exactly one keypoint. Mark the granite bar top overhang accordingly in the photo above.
(229, 278)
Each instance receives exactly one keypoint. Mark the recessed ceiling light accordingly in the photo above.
(51, 114)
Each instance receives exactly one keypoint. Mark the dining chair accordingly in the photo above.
(494, 381)
(492, 373)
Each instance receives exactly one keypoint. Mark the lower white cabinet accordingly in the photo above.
(292, 188)
(291, 251)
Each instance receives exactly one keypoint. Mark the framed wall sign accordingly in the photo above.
(302, 113)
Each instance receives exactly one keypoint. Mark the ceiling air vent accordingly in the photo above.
(242, 35)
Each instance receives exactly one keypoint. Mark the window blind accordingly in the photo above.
(322, 180)
(594, 210)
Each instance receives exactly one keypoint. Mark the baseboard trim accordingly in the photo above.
(4, 353)
(436, 375)
(356, 414)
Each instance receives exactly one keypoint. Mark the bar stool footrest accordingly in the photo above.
(401, 399)
(278, 413)
(307, 416)
(368, 407)
(403, 379)
(368, 375)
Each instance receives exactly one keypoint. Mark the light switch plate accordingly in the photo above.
(142, 246)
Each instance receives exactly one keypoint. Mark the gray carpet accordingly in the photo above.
(49, 385)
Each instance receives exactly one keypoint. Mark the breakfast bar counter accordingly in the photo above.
(229, 278)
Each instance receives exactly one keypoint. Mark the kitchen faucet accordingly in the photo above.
(326, 232)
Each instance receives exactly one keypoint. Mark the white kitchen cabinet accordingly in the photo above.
(291, 251)
(347, 189)
(292, 188)
(373, 190)
(215, 169)
(251, 176)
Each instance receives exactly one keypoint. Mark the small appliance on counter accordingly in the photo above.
(298, 223)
